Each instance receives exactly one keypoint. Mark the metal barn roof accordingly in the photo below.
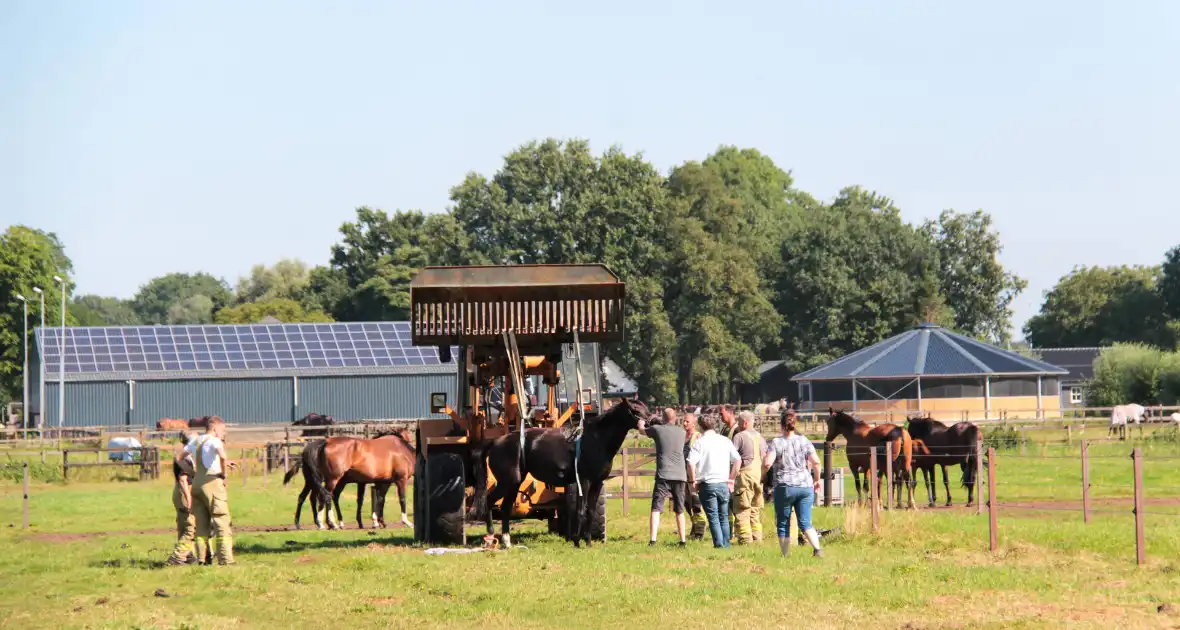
(1079, 361)
(929, 350)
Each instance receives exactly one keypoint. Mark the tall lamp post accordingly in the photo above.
(24, 401)
(41, 367)
(61, 362)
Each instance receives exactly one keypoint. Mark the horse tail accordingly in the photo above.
(973, 438)
(292, 471)
(319, 463)
(480, 472)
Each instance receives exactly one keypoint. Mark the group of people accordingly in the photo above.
(200, 498)
(705, 468)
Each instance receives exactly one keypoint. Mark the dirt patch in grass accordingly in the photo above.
(249, 529)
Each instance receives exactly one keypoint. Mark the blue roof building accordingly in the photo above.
(930, 369)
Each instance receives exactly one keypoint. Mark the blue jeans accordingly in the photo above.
(786, 497)
(715, 500)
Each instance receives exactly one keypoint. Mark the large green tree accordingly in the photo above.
(730, 214)
(96, 310)
(1169, 283)
(288, 279)
(852, 275)
(377, 257)
(170, 299)
(974, 284)
(556, 202)
(1099, 306)
(28, 258)
(282, 309)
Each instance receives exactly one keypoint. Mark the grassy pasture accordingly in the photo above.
(929, 569)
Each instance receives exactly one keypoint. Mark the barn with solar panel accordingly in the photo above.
(930, 369)
(247, 374)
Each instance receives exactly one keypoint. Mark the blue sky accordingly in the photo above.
(210, 136)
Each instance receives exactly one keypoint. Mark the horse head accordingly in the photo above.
(920, 428)
(838, 423)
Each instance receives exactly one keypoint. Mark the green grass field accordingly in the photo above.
(924, 569)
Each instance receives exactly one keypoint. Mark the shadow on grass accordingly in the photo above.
(129, 563)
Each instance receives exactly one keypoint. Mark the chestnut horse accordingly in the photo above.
(949, 446)
(863, 439)
(380, 461)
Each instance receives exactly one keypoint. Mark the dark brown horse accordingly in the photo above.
(314, 420)
(863, 440)
(380, 461)
(949, 446)
(549, 456)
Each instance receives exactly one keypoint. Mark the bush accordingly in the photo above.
(1001, 438)
(1135, 373)
(14, 471)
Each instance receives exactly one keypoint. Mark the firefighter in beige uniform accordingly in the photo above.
(182, 500)
(210, 499)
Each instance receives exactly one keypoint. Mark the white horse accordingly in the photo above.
(771, 409)
(1176, 417)
(1122, 413)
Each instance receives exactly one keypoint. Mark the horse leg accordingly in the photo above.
(331, 500)
(947, 483)
(401, 499)
(299, 506)
(591, 500)
(360, 504)
(856, 480)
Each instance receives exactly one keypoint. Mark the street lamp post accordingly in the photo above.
(61, 362)
(24, 401)
(41, 367)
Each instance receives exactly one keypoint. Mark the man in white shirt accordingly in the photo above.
(210, 501)
(712, 468)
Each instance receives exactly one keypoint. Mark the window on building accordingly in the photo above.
(1076, 396)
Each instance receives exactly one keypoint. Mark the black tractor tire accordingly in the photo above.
(597, 516)
(446, 499)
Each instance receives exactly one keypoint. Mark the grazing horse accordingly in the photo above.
(172, 424)
(314, 420)
(380, 461)
(549, 457)
(1119, 416)
(863, 440)
(949, 446)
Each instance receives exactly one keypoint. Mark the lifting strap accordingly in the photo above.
(515, 371)
(581, 412)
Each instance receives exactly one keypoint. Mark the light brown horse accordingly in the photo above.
(380, 461)
(863, 440)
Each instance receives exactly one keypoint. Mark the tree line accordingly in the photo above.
(727, 263)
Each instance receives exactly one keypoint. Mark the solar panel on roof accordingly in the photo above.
(242, 347)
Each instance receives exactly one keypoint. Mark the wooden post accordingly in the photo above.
(266, 467)
(1085, 481)
(1140, 545)
(1022, 441)
(43, 456)
(888, 476)
(1068, 435)
(286, 459)
(626, 483)
(827, 474)
(245, 469)
(65, 465)
(26, 500)
(979, 478)
(874, 499)
(991, 499)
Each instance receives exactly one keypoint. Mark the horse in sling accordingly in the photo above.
(949, 446)
(380, 461)
(863, 440)
(548, 456)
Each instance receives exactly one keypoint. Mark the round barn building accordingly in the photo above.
(932, 370)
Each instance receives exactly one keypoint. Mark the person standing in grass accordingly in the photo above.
(714, 467)
(210, 499)
(696, 510)
(748, 499)
(671, 473)
(182, 500)
(795, 470)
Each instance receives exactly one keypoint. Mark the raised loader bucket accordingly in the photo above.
(542, 304)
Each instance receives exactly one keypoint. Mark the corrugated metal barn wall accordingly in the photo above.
(89, 404)
(249, 401)
(347, 398)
